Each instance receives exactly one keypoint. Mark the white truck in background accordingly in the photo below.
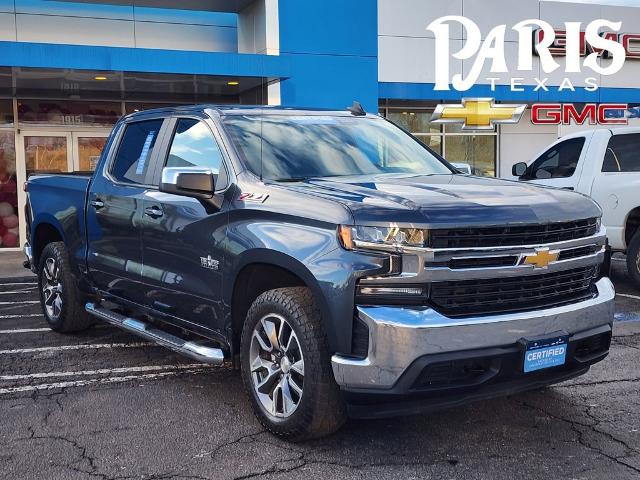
(605, 165)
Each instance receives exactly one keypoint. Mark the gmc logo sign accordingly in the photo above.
(629, 41)
(567, 113)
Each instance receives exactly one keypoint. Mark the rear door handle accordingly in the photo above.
(97, 204)
(153, 212)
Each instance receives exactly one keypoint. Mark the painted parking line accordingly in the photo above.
(107, 371)
(626, 317)
(31, 302)
(96, 381)
(28, 315)
(626, 295)
(24, 330)
(45, 329)
(89, 346)
(14, 292)
(13, 284)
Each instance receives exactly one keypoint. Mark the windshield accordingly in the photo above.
(299, 147)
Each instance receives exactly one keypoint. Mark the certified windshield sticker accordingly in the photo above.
(142, 161)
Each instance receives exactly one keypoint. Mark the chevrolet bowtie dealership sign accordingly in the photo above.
(477, 114)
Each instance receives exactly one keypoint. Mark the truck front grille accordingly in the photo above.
(513, 294)
(514, 235)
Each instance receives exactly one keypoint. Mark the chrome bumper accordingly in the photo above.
(399, 335)
(28, 263)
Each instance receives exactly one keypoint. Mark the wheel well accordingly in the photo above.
(633, 223)
(251, 282)
(45, 234)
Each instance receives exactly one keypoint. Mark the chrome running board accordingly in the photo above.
(195, 350)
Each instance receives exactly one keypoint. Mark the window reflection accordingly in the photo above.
(449, 140)
(194, 146)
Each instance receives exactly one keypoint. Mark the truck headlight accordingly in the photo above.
(388, 238)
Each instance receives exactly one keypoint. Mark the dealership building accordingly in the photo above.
(70, 69)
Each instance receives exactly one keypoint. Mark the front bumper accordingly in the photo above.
(400, 336)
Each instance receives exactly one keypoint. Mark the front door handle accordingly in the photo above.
(153, 212)
(97, 204)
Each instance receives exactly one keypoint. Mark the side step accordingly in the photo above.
(195, 350)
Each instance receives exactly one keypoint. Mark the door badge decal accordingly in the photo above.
(209, 263)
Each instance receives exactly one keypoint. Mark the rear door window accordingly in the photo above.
(560, 161)
(131, 164)
(623, 154)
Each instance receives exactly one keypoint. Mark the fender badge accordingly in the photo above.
(253, 197)
(210, 263)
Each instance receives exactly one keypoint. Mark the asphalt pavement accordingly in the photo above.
(103, 404)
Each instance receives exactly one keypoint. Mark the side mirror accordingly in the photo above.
(193, 182)
(519, 169)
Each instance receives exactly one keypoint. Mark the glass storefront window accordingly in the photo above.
(432, 141)
(89, 149)
(6, 111)
(414, 121)
(68, 113)
(46, 153)
(8, 191)
(449, 140)
(479, 151)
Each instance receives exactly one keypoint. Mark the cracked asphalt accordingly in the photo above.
(103, 404)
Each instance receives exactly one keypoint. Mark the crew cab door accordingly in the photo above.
(115, 206)
(616, 184)
(182, 236)
(560, 165)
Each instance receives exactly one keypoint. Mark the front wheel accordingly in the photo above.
(633, 259)
(286, 366)
(61, 301)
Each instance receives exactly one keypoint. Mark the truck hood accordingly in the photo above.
(446, 200)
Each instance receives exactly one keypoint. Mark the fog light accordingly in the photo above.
(392, 291)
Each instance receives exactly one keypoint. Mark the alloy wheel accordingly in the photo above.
(277, 366)
(52, 289)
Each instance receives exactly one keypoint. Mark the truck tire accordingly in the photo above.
(61, 301)
(286, 366)
(633, 259)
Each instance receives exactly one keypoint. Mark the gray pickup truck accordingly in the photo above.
(343, 267)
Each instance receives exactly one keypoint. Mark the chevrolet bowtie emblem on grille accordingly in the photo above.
(542, 258)
(478, 113)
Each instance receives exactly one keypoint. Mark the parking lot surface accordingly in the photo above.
(103, 404)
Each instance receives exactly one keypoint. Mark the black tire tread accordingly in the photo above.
(327, 412)
(73, 317)
(633, 253)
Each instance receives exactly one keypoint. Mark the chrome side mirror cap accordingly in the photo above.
(196, 182)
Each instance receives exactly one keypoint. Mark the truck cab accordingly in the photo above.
(604, 165)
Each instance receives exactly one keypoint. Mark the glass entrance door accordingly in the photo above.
(40, 151)
(87, 147)
(47, 152)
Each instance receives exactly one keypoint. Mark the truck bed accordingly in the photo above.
(59, 199)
